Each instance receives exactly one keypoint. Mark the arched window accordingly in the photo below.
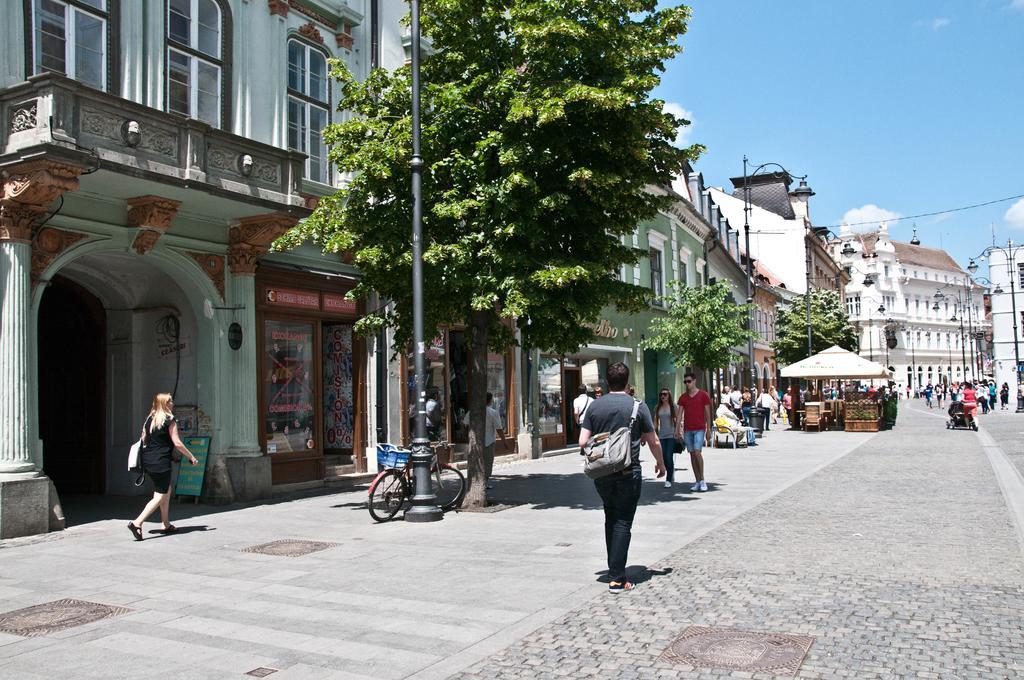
(198, 47)
(75, 38)
(308, 106)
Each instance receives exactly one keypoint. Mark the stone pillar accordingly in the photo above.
(249, 240)
(27, 191)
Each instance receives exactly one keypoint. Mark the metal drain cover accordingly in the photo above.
(43, 619)
(289, 547)
(739, 650)
(261, 672)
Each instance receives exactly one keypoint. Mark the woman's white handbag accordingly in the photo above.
(134, 457)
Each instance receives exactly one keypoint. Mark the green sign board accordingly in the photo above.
(190, 477)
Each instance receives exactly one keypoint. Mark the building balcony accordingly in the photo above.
(52, 116)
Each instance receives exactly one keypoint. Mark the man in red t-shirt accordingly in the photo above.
(693, 426)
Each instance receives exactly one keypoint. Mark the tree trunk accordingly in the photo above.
(476, 493)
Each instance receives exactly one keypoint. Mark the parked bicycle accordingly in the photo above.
(392, 488)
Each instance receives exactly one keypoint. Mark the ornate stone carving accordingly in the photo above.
(24, 117)
(311, 13)
(48, 244)
(345, 40)
(221, 159)
(310, 31)
(278, 7)
(108, 126)
(267, 172)
(213, 265)
(250, 239)
(152, 216)
(28, 189)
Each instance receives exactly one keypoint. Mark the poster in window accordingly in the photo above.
(339, 411)
(288, 366)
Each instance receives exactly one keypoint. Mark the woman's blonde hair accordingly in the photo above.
(161, 410)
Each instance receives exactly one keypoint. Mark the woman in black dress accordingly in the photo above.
(159, 440)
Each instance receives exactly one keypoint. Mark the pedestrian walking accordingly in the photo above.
(160, 441)
(970, 398)
(747, 405)
(736, 401)
(928, 391)
(992, 395)
(579, 406)
(620, 492)
(939, 389)
(1004, 396)
(665, 419)
(982, 397)
(767, 405)
(694, 427)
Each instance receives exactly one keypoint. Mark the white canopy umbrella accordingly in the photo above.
(836, 362)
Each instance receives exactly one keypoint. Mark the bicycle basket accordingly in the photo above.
(390, 456)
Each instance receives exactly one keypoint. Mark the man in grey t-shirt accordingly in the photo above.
(620, 491)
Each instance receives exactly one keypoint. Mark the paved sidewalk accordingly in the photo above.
(388, 601)
(901, 559)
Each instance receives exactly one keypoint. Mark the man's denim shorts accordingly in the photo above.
(693, 440)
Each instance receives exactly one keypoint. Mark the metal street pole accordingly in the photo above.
(750, 272)
(424, 502)
(963, 348)
(970, 332)
(807, 305)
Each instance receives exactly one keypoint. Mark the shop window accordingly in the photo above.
(459, 385)
(339, 392)
(194, 59)
(435, 387)
(497, 386)
(308, 106)
(70, 38)
(594, 374)
(288, 370)
(550, 379)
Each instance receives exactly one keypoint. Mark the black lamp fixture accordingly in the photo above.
(869, 280)
(915, 241)
(953, 318)
(848, 249)
(998, 290)
(881, 309)
(935, 307)
(972, 267)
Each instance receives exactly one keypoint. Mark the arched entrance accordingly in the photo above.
(113, 329)
(72, 390)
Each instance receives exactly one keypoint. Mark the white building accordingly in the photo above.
(1006, 271)
(915, 309)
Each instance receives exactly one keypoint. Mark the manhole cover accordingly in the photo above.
(51, 617)
(739, 650)
(290, 547)
(261, 672)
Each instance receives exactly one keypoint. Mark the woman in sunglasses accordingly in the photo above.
(665, 416)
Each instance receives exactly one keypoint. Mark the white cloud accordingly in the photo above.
(940, 23)
(870, 214)
(683, 131)
(1015, 215)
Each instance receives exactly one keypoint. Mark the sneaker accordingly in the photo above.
(616, 587)
(703, 485)
(695, 486)
(668, 485)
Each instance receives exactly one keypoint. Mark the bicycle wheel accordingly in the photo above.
(451, 487)
(388, 496)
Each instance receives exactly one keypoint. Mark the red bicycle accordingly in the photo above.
(392, 488)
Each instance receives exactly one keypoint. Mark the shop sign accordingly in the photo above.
(190, 477)
(603, 329)
(235, 335)
(339, 304)
(339, 414)
(287, 297)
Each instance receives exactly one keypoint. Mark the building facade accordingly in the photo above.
(915, 310)
(151, 152)
(1006, 272)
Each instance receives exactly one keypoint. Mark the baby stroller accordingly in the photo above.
(956, 418)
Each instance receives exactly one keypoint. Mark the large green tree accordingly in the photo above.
(702, 326)
(540, 138)
(830, 325)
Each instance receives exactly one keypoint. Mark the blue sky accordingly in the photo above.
(889, 106)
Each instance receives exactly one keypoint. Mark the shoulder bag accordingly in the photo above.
(610, 452)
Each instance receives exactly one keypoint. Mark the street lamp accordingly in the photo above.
(424, 502)
(1010, 253)
(803, 191)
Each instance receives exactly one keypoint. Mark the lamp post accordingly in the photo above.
(424, 502)
(1010, 253)
(802, 190)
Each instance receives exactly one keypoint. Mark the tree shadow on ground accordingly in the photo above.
(576, 491)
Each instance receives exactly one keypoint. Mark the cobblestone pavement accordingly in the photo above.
(901, 559)
(1007, 428)
(396, 600)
